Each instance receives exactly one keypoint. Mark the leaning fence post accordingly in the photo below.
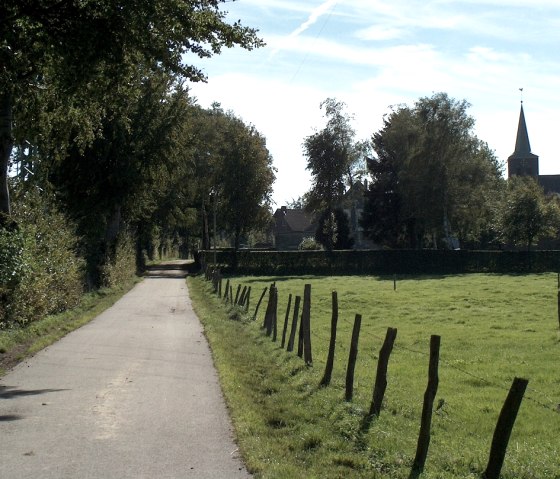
(352, 358)
(293, 330)
(286, 319)
(332, 344)
(503, 428)
(237, 294)
(306, 322)
(242, 296)
(247, 299)
(427, 409)
(226, 296)
(381, 376)
(258, 304)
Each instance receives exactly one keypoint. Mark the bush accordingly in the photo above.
(119, 264)
(41, 273)
(309, 244)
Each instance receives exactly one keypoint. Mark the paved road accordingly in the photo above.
(133, 394)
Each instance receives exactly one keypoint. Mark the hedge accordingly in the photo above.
(383, 262)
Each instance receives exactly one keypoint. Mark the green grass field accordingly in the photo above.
(492, 328)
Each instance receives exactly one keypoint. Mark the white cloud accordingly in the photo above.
(376, 53)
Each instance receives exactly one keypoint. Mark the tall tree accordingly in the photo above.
(126, 173)
(332, 157)
(81, 53)
(429, 176)
(243, 178)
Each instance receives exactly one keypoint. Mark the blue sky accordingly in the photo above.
(372, 54)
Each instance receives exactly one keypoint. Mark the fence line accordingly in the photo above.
(509, 411)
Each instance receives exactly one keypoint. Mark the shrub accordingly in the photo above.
(309, 244)
(119, 264)
(41, 273)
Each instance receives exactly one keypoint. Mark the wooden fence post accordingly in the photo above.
(352, 357)
(275, 316)
(237, 294)
(220, 286)
(259, 304)
(306, 322)
(503, 429)
(242, 296)
(559, 308)
(427, 409)
(231, 294)
(226, 296)
(381, 376)
(293, 330)
(332, 344)
(247, 299)
(267, 323)
(286, 319)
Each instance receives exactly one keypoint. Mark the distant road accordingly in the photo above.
(133, 394)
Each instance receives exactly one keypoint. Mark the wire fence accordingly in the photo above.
(272, 324)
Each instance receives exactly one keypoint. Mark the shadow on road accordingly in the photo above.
(10, 392)
(175, 269)
(10, 417)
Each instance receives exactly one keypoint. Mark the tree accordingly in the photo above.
(79, 56)
(431, 177)
(332, 157)
(243, 178)
(125, 177)
(333, 230)
(527, 214)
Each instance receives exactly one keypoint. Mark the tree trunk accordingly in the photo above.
(113, 225)
(6, 145)
(205, 233)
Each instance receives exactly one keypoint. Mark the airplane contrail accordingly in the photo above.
(313, 17)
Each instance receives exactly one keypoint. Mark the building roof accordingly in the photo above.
(297, 220)
(522, 145)
(550, 183)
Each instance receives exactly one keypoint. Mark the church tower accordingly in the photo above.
(522, 162)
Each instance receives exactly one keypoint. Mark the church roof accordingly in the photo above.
(550, 183)
(522, 145)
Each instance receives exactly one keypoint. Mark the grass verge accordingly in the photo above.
(18, 343)
(493, 328)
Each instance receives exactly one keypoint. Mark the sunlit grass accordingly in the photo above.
(493, 328)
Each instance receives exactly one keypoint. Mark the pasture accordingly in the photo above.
(493, 328)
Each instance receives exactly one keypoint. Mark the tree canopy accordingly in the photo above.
(433, 181)
(67, 65)
(527, 215)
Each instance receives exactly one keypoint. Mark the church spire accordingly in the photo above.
(522, 145)
(522, 162)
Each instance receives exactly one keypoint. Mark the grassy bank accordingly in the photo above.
(493, 328)
(23, 341)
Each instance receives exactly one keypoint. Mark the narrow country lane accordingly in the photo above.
(133, 394)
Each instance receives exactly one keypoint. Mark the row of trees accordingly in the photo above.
(97, 124)
(432, 182)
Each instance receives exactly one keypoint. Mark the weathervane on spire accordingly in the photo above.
(521, 90)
